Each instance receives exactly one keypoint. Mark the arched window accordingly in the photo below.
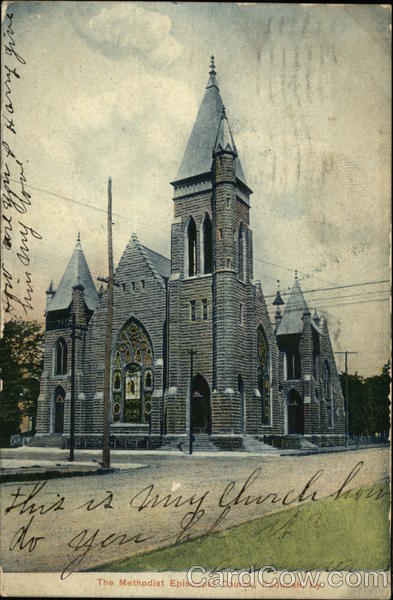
(264, 374)
(191, 248)
(326, 379)
(132, 378)
(241, 250)
(207, 234)
(328, 392)
(61, 357)
(293, 364)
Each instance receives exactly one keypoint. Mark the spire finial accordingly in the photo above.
(79, 237)
(212, 65)
(296, 276)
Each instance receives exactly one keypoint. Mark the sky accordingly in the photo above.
(112, 89)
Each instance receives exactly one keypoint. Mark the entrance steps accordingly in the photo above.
(252, 443)
(203, 443)
(52, 440)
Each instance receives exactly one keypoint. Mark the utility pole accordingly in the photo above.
(346, 406)
(72, 411)
(190, 433)
(105, 440)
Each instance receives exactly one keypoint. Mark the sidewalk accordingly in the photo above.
(49, 463)
(29, 462)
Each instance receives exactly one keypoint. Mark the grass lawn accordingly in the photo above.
(348, 533)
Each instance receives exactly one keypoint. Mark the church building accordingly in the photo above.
(192, 341)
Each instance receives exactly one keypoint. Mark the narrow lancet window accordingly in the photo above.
(191, 247)
(207, 245)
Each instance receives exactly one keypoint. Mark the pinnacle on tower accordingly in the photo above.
(278, 301)
(50, 289)
(224, 140)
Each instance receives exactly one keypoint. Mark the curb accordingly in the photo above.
(22, 475)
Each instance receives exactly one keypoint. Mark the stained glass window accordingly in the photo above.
(264, 374)
(132, 379)
(148, 380)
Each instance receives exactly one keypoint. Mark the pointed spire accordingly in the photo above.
(278, 301)
(212, 75)
(197, 158)
(77, 275)
(296, 307)
(224, 140)
(101, 291)
(316, 317)
(51, 290)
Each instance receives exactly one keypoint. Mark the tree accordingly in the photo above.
(21, 355)
(368, 403)
(377, 399)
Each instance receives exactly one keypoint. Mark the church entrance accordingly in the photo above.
(295, 413)
(59, 409)
(201, 416)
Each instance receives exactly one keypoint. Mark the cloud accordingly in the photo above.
(122, 29)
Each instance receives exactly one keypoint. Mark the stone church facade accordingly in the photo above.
(253, 381)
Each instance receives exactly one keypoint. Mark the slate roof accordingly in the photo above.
(292, 318)
(161, 263)
(197, 157)
(77, 271)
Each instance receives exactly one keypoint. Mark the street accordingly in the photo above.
(71, 524)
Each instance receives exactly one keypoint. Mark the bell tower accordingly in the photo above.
(210, 287)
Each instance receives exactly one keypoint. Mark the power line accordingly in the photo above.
(325, 306)
(314, 301)
(155, 229)
(337, 287)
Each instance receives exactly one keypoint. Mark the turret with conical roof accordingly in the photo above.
(77, 274)
(292, 321)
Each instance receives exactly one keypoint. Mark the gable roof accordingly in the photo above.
(197, 158)
(161, 263)
(77, 272)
